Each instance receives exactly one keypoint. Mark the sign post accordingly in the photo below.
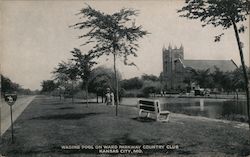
(11, 99)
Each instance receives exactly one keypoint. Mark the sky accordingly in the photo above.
(35, 37)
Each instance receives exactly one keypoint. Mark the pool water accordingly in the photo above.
(211, 108)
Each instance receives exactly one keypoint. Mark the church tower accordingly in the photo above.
(170, 56)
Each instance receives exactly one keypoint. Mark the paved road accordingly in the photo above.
(21, 103)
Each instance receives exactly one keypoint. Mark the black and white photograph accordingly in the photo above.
(124, 78)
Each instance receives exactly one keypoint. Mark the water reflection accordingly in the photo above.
(230, 110)
(211, 108)
(201, 104)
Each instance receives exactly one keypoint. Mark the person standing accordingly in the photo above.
(108, 97)
(112, 97)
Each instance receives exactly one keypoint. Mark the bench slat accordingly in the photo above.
(150, 103)
(144, 107)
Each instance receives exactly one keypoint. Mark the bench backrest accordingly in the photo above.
(149, 105)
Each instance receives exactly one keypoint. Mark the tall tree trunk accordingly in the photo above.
(237, 95)
(60, 94)
(102, 96)
(116, 87)
(97, 97)
(87, 94)
(244, 69)
(72, 88)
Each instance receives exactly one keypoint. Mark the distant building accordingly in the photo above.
(176, 68)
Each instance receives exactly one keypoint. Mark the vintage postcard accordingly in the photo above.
(124, 78)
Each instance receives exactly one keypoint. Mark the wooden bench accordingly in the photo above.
(153, 106)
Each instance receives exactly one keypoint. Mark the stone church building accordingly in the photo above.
(176, 68)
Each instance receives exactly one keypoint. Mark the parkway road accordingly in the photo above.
(19, 106)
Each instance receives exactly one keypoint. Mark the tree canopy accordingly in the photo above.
(8, 86)
(67, 70)
(111, 33)
(83, 64)
(217, 12)
(48, 86)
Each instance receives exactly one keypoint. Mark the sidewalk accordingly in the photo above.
(48, 124)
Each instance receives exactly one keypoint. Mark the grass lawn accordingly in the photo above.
(48, 124)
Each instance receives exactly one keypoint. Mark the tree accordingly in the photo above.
(8, 86)
(111, 34)
(238, 78)
(61, 81)
(133, 83)
(227, 82)
(99, 83)
(151, 87)
(202, 78)
(66, 71)
(102, 78)
(224, 13)
(83, 65)
(218, 77)
(48, 86)
(150, 77)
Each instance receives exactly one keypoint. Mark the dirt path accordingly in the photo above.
(21, 103)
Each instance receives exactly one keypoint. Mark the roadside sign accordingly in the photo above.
(10, 98)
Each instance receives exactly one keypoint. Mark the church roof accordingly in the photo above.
(223, 65)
